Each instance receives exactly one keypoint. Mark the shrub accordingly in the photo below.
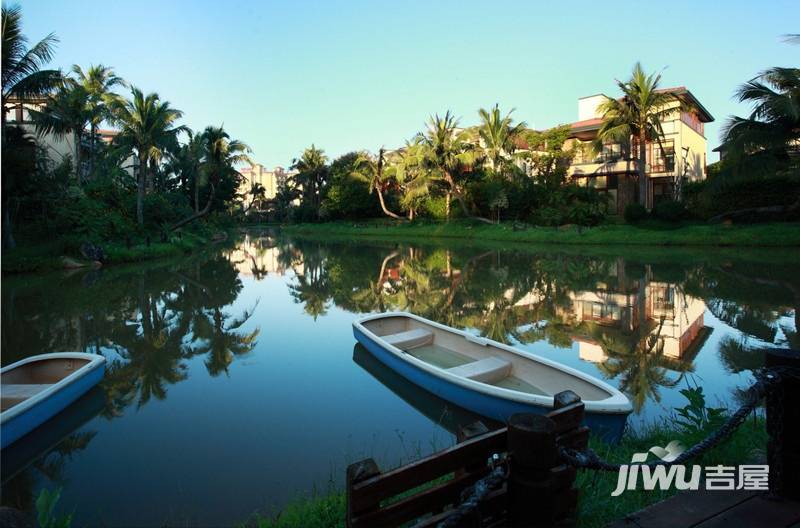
(436, 208)
(669, 211)
(708, 199)
(635, 213)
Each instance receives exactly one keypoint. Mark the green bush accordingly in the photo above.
(707, 199)
(635, 213)
(436, 208)
(669, 211)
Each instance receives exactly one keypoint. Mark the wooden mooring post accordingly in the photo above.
(783, 424)
(539, 492)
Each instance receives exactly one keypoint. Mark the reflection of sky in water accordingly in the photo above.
(293, 412)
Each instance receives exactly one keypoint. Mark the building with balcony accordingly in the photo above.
(269, 180)
(679, 157)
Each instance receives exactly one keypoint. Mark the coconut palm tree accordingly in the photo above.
(407, 167)
(448, 151)
(22, 77)
(312, 175)
(773, 126)
(184, 162)
(636, 117)
(65, 114)
(97, 81)
(498, 136)
(371, 170)
(22, 73)
(147, 125)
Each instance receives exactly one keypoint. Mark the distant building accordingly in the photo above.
(270, 180)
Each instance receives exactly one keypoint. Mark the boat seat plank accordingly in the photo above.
(22, 390)
(410, 338)
(488, 370)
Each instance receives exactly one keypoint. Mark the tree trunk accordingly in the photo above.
(76, 136)
(198, 214)
(642, 169)
(8, 232)
(386, 211)
(196, 194)
(447, 206)
(460, 198)
(140, 188)
(92, 131)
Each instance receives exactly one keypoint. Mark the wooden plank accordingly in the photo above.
(357, 472)
(688, 508)
(492, 508)
(568, 417)
(574, 439)
(758, 512)
(398, 480)
(427, 501)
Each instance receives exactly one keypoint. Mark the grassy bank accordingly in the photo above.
(49, 256)
(596, 505)
(654, 234)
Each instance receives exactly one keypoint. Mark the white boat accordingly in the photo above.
(484, 376)
(37, 388)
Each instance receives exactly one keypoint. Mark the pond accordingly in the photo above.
(234, 382)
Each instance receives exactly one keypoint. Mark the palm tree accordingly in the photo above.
(97, 81)
(185, 162)
(220, 155)
(499, 136)
(371, 170)
(448, 152)
(636, 115)
(147, 125)
(773, 127)
(407, 167)
(22, 77)
(22, 73)
(65, 113)
(312, 174)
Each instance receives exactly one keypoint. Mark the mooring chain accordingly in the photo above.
(474, 495)
(766, 379)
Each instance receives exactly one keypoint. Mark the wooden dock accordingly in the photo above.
(716, 509)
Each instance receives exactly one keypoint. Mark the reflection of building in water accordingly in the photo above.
(258, 257)
(636, 308)
(683, 318)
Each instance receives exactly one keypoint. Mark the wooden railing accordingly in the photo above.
(539, 491)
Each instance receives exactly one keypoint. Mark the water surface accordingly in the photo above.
(234, 382)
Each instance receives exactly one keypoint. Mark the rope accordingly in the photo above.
(473, 496)
(766, 379)
(589, 459)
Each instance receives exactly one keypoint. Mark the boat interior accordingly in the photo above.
(25, 381)
(475, 359)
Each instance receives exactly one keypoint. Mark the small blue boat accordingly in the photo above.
(484, 376)
(37, 388)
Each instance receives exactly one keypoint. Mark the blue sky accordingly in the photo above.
(353, 75)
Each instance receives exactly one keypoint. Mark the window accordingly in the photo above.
(693, 121)
(661, 157)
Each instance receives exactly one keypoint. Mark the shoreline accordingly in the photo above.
(772, 235)
(49, 257)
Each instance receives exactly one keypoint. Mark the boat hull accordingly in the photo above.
(50, 405)
(608, 426)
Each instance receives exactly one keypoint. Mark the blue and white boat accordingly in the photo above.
(37, 388)
(484, 376)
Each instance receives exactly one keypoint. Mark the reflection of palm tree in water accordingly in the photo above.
(18, 492)
(222, 343)
(177, 323)
(639, 361)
